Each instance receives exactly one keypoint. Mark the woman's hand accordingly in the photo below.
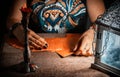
(84, 44)
(35, 41)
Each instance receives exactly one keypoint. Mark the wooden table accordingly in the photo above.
(50, 64)
(63, 44)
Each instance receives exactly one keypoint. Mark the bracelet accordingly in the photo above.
(14, 26)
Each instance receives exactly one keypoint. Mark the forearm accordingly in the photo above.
(95, 8)
(15, 14)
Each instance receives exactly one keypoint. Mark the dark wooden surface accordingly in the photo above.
(50, 64)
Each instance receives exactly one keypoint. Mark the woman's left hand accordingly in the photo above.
(84, 44)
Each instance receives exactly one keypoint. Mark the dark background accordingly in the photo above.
(4, 7)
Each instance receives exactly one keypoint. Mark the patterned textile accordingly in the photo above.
(59, 16)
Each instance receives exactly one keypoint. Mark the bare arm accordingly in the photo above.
(84, 45)
(95, 8)
(15, 15)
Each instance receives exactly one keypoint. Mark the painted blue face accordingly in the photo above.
(59, 17)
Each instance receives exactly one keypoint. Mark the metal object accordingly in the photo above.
(27, 65)
(107, 51)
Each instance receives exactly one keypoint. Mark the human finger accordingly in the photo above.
(33, 45)
(41, 41)
(85, 50)
(34, 42)
(84, 45)
(79, 47)
(90, 52)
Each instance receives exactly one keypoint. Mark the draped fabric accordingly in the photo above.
(59, 16)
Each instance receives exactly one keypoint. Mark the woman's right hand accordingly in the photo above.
(35, 41)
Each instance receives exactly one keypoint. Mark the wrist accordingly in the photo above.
(14, 26)
(93, 26)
